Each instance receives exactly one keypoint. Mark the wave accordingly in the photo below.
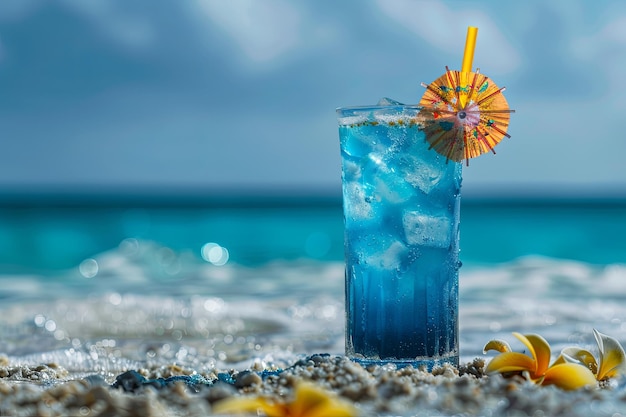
(144, 302)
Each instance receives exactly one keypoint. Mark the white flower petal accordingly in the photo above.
(612, 356)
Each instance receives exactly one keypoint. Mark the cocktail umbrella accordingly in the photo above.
(464, 114)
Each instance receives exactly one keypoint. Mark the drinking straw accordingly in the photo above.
(468, 54)
(466, 67)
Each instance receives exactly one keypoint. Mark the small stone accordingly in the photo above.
(129, 381)
(95, 380)
(219, 391)
(511, 387)
(246, 379)
(319, 358)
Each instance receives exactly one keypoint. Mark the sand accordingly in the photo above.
(47, 390)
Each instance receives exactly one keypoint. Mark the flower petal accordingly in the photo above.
(248, 405)
(511, 362)
(612, 356)
(569, 376)
(308, 396)
(579, 356)
(311, 400)
(497, 344)
(539, 349)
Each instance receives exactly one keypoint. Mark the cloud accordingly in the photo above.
(15, 10)
(602, 45)
(602, 55)
(116, 22)
(11, 10)
(432, 21)
(615, 30)
(262, 30)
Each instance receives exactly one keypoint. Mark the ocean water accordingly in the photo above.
(101, 286)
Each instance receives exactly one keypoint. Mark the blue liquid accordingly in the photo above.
(401, 215)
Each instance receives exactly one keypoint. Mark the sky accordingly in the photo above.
(241, 94)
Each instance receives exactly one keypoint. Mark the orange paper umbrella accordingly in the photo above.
(464, 114)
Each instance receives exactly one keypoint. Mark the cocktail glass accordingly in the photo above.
(401, 203)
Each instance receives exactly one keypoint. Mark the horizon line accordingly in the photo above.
(281, 195)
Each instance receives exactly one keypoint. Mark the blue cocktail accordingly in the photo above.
(401, 211)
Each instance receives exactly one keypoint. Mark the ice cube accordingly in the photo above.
(392, 188)
(360, 142)
(421, 174)
(351, 171)
(390, 258)
(427, 230)
(357, 204)
(388, 102)
(388, 183)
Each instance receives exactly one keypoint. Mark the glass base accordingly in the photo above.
(428, 363)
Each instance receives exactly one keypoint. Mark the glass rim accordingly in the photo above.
(374, 107)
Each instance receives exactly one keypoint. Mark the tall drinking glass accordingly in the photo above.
(401, 205)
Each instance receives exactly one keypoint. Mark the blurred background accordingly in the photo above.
(123, 107)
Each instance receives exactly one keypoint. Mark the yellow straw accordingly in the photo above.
(468, 54)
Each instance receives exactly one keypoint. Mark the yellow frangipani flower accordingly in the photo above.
(611, 357)
(309, 401)
(536, 367)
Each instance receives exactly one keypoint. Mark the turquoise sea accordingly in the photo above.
(51, 233)
(105, 283)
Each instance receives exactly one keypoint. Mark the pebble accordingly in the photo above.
(247, 378)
